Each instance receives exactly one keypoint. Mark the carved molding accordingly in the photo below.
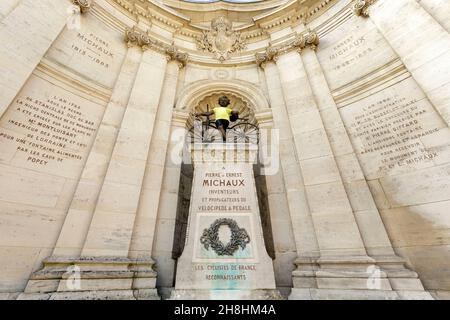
(308, 40)
(361, 7)
(221, 39)
(85, 5)
(135, 37)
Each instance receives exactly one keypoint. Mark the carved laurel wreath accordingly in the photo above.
(210, 237)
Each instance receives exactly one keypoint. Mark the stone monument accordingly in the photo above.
(224, 255)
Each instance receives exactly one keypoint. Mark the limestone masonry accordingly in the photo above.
(334, 183)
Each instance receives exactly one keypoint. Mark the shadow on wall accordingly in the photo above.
(421, 235)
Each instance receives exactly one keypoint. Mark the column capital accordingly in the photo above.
(309, 39)
(135, 37)
(85, 5)
(173, 54)
(262, 59)
(312, 39)
(361, 7)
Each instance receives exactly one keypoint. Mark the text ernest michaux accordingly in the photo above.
(225, 192)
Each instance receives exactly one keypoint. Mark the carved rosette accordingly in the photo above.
(137, 38)
(361, 7)
(221, 39)
(85, 5)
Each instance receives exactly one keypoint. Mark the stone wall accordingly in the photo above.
(400, 139)
(90, 124)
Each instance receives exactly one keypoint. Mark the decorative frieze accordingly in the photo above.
(361, 7)
(136, 37)
(221, 39)
(308, 40)
(85, 5)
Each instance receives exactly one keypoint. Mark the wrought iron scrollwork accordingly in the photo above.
(210, 237)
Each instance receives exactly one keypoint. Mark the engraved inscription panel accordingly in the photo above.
(396, 130)
(94, 51)
(351, 51)
(48, 129)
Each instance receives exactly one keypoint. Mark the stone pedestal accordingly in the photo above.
(96, 278)
(356, 278)
(224, 255)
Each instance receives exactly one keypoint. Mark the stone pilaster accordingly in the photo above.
(271, 173)
(343, 262)
(105, 203)
(114, 217)
(422, 44)
(143, 233)
(318, 166)
(26, 34)
(162, 250)
(370, 224)
(78, 218)
(302, 224)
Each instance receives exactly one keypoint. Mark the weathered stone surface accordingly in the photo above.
(94, 104)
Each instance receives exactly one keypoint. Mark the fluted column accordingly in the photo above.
(304, 234)
(78, 218)
(145, 223)
(26, 34)
(420, 41)
(112, 224)
(328, 202)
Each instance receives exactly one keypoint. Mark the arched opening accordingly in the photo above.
(198, 98)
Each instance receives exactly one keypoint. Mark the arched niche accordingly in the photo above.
(250, 100)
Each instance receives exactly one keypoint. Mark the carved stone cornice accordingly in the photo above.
(361, 7)
(135, 37)
(85, 5)
(308, 40)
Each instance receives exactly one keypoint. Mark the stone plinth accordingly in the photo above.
(92, 278)
(224, 255)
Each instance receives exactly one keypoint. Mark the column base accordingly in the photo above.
(191, 294)
(356, 277)
(345, 294)
(92, 278)
(144, 294)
